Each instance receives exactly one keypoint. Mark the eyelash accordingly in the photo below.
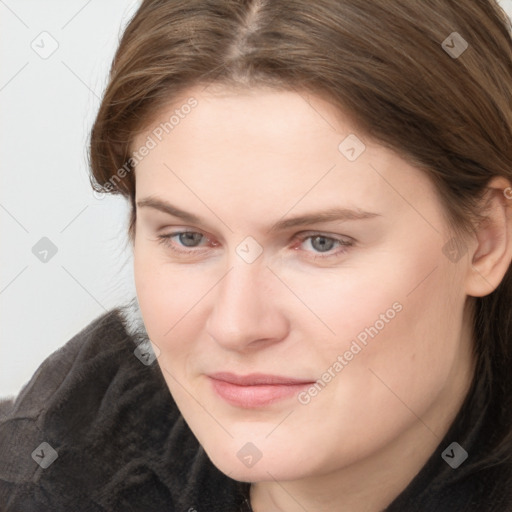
(166, 240)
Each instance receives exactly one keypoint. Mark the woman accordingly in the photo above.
(321, 228)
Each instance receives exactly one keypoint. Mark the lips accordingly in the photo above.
(256, 389)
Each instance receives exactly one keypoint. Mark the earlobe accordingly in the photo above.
(492, 254)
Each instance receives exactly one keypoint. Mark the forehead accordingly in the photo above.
(269, 148)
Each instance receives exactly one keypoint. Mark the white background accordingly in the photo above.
(47, 108)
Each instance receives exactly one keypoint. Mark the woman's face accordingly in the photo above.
(296, 282)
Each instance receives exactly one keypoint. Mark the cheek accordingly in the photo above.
(165, 303)
(391, 372)
(175, 301)
(390, 328)
(165, 294)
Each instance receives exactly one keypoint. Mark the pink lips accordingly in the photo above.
(256, 389)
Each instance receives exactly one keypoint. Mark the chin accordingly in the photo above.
(246, 463)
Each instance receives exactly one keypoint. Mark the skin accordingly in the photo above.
(241, 161)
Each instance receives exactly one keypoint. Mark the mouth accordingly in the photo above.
(255, 390)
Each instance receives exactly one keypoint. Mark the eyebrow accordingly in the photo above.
(164, 206)
(330, 215)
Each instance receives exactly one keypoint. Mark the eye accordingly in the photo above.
(189, 238)
(185, 241)
(320, 245)
(315, 246)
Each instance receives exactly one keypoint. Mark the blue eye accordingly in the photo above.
(185, 239)
(323, 245)
(189, 238)
(315, 246)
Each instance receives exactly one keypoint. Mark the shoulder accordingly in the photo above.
(83, 370)
(90, 425)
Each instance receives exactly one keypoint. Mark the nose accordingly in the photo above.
(246, 314)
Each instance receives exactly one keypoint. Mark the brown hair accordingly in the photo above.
(386, 63)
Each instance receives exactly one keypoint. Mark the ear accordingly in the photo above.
(491, 253)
